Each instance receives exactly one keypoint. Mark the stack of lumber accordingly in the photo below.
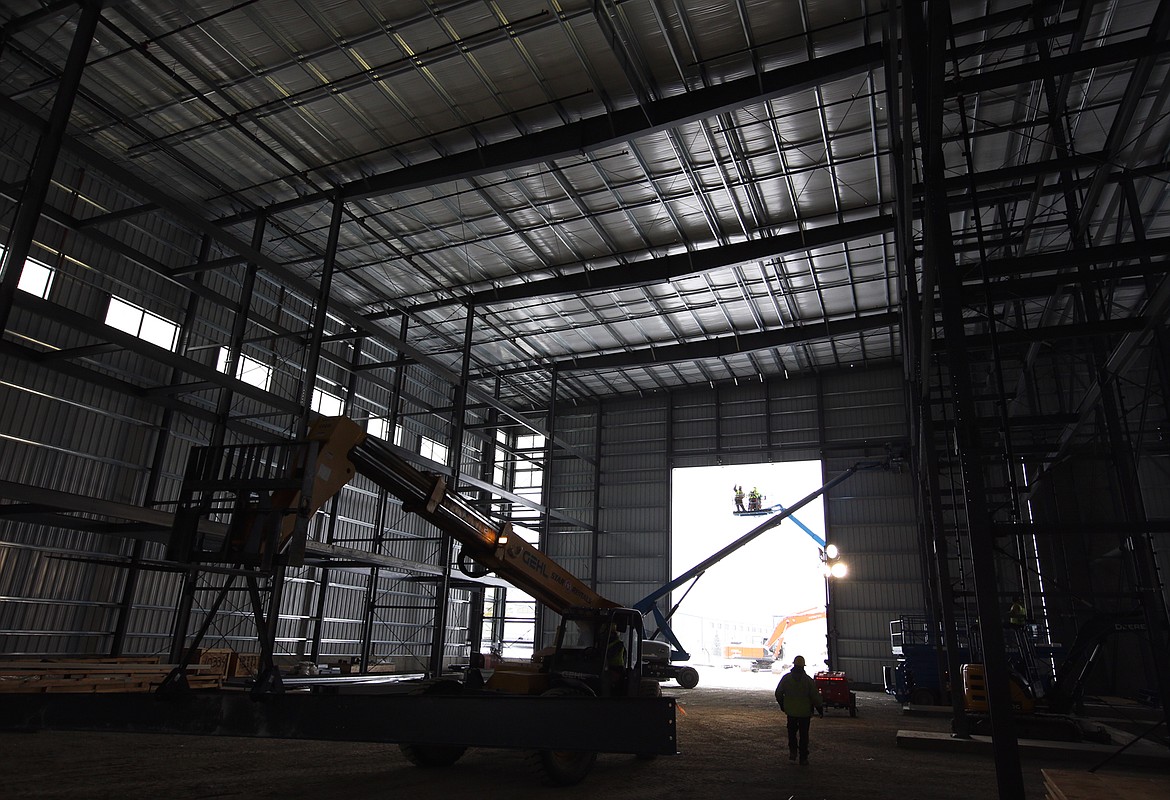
(244, 665)
(87, 675)
(1067, 784)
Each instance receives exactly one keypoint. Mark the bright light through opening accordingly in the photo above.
(737, 604)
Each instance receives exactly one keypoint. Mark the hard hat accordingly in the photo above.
(798, 661)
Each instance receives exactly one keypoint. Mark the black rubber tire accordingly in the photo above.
(563, 767)
(649, 687)
(922, 696)
(435, 756)
(432, 756)
(688, 677)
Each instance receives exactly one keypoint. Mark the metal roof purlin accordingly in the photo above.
(641, 273)
(182, 211)
(733, 345)
(596, 132)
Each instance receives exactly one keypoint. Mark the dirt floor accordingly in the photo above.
(730, 740)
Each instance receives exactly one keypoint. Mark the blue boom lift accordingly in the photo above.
(687, 676)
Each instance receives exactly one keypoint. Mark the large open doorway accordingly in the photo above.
(774, 584)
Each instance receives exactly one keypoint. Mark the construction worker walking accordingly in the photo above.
(797, 695)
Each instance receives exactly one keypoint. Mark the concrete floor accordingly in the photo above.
(730, 737)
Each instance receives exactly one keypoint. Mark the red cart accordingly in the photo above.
(834, 689)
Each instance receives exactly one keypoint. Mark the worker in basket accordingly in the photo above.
(754, 499)
(739, 495)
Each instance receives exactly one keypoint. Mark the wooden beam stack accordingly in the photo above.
(1067, 784)
(88, 675)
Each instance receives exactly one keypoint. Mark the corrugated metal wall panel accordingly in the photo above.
(577, 546)
(91, 441)
(872, 516)
(97, 441)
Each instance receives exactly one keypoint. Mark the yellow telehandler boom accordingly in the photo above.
(344, 447)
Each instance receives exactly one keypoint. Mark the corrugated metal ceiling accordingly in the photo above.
(647, 193)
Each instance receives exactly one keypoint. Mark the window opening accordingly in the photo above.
(326, 404)
(248, 369)
(137, 321)
(431, 449)
(378, 427)
(36, 277)
(774, 584)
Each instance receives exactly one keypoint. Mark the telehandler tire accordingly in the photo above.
(921, 696)
(688, 677)
(435, 756)
(563, 767)
(432, 756)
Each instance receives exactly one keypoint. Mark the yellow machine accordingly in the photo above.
(598, 648)
(775, 643)
(764, 656)
(975, 692)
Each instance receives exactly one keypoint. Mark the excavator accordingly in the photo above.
(771, 648)
(774, 644)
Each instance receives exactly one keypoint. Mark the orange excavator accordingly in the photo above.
(774, 644)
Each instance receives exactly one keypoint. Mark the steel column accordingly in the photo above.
(950, 662)
(219, 431)
(223, 408)
(320, 314)
(371, 594)
(323, 573)
(371, 598)
(130, 587)
(546, 474)
(830, 622)
(927, 31)
(546, 485)
(454, 460)
(40, 173)
(475, 621)
(595, 537)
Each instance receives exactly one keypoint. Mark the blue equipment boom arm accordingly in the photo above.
(648, 604)
(820, 542)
